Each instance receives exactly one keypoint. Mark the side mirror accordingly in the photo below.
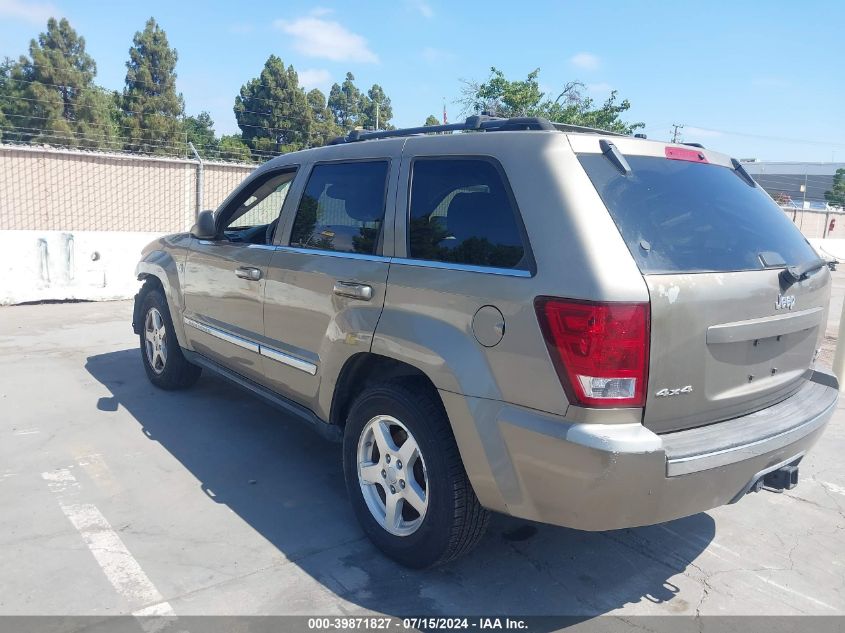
(205, 229)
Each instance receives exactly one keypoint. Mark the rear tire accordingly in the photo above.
(409, 414)
(166, 366)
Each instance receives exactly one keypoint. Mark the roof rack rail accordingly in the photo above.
(480, 122)
(568, 127)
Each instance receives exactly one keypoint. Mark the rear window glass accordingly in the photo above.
(461, 213)
(680, 216)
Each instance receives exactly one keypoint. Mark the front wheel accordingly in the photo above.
(163, 360)
(405, 477)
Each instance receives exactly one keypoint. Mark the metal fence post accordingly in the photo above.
(199, 178)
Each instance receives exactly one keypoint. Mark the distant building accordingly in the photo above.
(784, 181)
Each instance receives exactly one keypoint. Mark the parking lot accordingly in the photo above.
(118, 498)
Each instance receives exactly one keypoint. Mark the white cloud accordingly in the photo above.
(422, 7)
(699, 132)
(585, 61)
(314, 78)
(434, 55)
(37, 13)
(315, 37)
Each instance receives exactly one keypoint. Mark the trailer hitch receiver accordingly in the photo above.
(784, 478)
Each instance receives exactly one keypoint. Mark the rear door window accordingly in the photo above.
(682, 216)
(342, 208)
(462, 212)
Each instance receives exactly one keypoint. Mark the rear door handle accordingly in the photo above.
(248, 272)
(353, 290)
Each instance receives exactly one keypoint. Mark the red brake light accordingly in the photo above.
(692, 155)
(600, 350)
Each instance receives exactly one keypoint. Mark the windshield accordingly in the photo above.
(681, 216)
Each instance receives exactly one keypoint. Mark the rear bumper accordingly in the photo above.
(608, 476)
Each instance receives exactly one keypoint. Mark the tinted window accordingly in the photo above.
(461, 212)
(680, 216)
(342, 208)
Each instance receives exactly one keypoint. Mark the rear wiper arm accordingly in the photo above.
(612, 153)
(800, 272)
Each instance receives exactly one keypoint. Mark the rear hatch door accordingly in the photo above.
(732, 331)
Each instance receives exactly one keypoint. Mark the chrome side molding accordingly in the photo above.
(263, 350)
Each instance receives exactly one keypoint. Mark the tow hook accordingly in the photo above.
(784, 478)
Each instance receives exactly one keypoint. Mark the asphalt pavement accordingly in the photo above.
(118, 498)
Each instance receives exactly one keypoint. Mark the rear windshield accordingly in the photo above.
(680, 216)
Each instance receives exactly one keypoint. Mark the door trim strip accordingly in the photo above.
(287, 359)
(223, 335)
(252, 346)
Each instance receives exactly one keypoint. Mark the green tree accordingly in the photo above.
(152, 107)
(371, 117)
(199, 130)
(431, 120)
(51, 96)
(99, 119)
(500, 96)
(323, 126)
(8, 94)
(836, 196)
(273, 111)
(345, 103)
(231, 147)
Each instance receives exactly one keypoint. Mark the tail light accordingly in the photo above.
(600, 350)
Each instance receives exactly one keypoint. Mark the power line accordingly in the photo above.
(764, 137)
(107, 125)
(166, 116)
(143, 83)
(118, 142)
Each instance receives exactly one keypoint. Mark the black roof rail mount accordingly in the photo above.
(479, 122)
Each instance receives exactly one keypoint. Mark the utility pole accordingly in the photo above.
(676, 128)
(376, 115)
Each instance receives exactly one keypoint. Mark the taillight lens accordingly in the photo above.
(600, 350)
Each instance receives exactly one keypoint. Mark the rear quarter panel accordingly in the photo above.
(427, 318)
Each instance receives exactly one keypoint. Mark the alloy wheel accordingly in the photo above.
(392, 475)
(155, 340)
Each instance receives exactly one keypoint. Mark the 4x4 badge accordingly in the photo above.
(785, 302)
(665, 393)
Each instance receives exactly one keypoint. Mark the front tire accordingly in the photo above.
(405, 477)
(161, 354)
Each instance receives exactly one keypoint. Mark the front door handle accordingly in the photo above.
(353, 290)
(248, 272)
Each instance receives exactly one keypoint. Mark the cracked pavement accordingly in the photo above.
(227, 507)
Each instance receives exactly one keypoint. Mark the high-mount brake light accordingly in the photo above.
(691, 155)
(599, 350)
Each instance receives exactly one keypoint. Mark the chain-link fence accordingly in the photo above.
(48, 188)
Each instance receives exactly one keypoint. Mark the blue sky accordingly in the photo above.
(753, 79)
